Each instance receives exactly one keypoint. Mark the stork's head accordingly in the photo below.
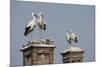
(41, 14)
(34, 14)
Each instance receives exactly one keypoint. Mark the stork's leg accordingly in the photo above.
(40, 33)
(76, 40)
(28, 38)
(31, 35)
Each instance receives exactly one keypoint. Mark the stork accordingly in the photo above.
(41, 22)
(31, 25)
(74, 37)
(68, 37)
(71, 37)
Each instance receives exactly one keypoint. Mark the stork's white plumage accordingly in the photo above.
(68, 37)
(41, 22)
(71, 37)
(74, 37)
(31, 25)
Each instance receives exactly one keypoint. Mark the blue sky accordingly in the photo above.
(79, 18)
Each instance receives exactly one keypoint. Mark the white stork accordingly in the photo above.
(74, 37)
(68, 37)
(31, 25)
(41, 22)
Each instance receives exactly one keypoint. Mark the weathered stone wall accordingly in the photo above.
(42, 55)
(72, 57)
(38, 52)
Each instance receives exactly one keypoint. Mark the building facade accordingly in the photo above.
(38, 52)
(72, 55)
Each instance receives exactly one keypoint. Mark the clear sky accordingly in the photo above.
(79, 18)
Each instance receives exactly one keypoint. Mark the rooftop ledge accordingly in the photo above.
(72, 49)
(38, 43)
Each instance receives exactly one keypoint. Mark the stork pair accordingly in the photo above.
(40, 21)
(36, 20)
(71, 37)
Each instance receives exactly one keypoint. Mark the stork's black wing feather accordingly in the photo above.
(44, 27)
(76, 40)
(26, 31)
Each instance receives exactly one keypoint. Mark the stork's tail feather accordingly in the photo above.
(76, 40)
(25, 33)
(44, 27)
(69, 41)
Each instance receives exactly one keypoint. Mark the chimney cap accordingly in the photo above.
(73, 49)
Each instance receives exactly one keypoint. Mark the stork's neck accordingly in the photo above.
(40, 16)
(33, 17)
(69, 33)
